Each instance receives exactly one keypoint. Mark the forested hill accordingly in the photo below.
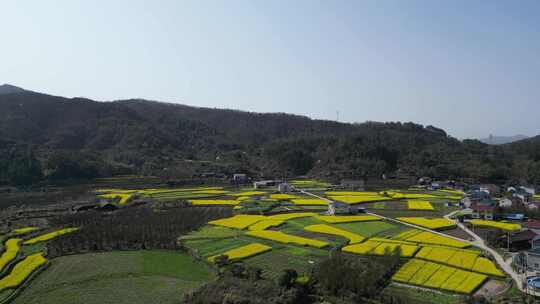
(50, 137)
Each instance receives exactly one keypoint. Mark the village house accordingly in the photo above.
(240, 178)
(525, 194)
(265, 184)
(484, 209)
(490, 188)
(474, 197)
(505, 202)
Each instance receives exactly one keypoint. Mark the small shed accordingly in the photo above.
(284, 188)
(335, 208)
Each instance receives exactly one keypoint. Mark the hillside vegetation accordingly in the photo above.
(44, 137)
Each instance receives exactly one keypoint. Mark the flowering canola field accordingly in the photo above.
(419, 205)
(357, 199)
(433, 275)
(243, 252)
(22, 270)
(124, 197)
(214, 202)
(326, 229)
(281, 237)
(48, 236)
(435, 239)
(347, 218)
(381, 247)
(265, 224)
(23, 230)
(434, 224)
(10, 253)
(494, 224)
(240, 221)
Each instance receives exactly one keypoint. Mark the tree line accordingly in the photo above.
(130, 229)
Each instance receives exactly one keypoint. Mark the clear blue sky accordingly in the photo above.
(470, 67)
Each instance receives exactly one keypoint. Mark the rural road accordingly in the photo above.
(478, 242)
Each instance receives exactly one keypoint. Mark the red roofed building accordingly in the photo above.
(483, 211)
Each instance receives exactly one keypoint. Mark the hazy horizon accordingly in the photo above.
(470, 68)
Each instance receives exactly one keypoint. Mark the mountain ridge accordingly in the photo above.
(501, 140)
(150, 137)
(10, 89)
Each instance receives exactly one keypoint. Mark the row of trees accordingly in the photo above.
(130, 229)
(19, 165)
(338, 279)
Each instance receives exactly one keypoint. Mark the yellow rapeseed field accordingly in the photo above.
(381, 247)
(419, 205)
(433, 275)
(310, 202)
(243, 252)
(434, 239)
(281, 237)
(48, 236)
(435, 224)
(494, 224)
(439, 277)
(407, 271)
(124, 197)
(290, 216)
(407, 234)
(10, 253)
(473, 281)
(351, 193)
(424, 273)
(265, 224)
(326, 229)
(486, 266)
(334, 219)
(240, 221)
(23, 230)
(357, 199)
(401, 195)
(22, 270)
(203, 202)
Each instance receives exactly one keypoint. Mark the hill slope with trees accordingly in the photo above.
(44, 137)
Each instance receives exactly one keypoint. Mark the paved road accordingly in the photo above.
(478, 242)
(504, 265)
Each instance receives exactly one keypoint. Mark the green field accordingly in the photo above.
(301, 259)
(368, 229)
(117, 277)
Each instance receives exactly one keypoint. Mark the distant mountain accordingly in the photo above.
(501, 140)
(77, 136)
(10, 89)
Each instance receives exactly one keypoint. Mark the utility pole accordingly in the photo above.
(337, 115)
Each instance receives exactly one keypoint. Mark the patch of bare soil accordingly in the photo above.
(493, 288)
